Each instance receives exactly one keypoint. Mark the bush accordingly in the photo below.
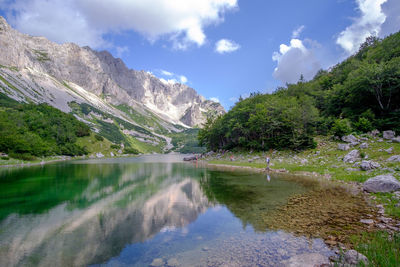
(114, 146)
(341, 127)
(5, 158)
(363, 125)
(99, 137)
(130, 150)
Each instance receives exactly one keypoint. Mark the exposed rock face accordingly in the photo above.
(103, 75)
(382, 183)
(352, 156)
(355, 258)
(388, 135)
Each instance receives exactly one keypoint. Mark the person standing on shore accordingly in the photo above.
(267, 160)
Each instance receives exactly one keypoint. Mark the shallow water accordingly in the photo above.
(138, 211)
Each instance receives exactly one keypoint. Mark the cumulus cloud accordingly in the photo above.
(214, 99)
(296, 32)
(226, 46)
(86, 21)
(294, 60)
(391, 8)
(169, 77)
(369, 23)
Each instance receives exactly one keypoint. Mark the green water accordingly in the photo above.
(132, 211)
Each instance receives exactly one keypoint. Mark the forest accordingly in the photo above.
(29, 130)
(358, 95)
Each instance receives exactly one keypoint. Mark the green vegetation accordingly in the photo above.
(381, 248)
(360, 94)
(186, 141)
(28, 130)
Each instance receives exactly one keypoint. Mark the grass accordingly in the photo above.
(381, 248)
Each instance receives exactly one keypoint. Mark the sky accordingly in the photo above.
(224, 49)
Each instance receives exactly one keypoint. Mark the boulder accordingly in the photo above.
(396, 139)
(354, 258)
(367, 165)
(189, 158)
(112, 154)
(352, 156)
(350, 139)
(389, 150)
(364, 146)
(343, 147)
(395, 158)
(306, 259)
(99, 155)
(382, 183)
(373, 133)
(388, 135)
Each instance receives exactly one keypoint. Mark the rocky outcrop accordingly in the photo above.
(343, 147)
(382, 183)
(395, 158)
(103, 75)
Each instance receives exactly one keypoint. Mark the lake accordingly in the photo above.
(148, 210)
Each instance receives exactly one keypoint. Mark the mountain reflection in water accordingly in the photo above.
(89, 212)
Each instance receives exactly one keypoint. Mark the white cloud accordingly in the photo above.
(295, 60)
(171, 78)
(183, 79)
(391, 8)
(369, 23)
(214, 99)
(121, 50)
(166, 73)
(226, 46)
(296, 32)
(86, 21)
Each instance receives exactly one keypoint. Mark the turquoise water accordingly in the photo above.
(142, 211)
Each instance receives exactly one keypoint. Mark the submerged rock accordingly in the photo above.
(382, 183)
(157, 262)
(306, 259)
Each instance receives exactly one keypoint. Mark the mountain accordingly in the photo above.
(122, 104)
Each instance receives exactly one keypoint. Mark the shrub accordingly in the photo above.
(130, 150)
(341, 127)
(114, 146)
(99, 137)
(363, 125)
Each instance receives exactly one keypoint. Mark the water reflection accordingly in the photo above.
(128, 210)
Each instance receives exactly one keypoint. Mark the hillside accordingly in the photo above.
(125, 106)
(358, 95)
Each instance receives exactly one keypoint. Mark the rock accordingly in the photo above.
(367, 221)
(306, 259)
(396, 139)
(343, 147)
(395, 158)
(173, 262)
(112, 154)
(304, 161)
(364, 146)
(382, 183)
(119, 151)
(349, 139)
(256, 157)
(99, 155)
(157, 262)
(388, 135)
(250, 160)
(189, 158)
(367, 165)
(205, 248)
(389, 150)
(373, 133)
(355, 258)
(352, 156)
(379, 140)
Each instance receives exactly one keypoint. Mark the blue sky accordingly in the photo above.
(221, 48)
